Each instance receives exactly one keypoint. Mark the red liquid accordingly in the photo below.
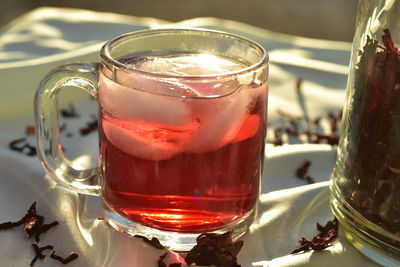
(172, 155)
(188, 192)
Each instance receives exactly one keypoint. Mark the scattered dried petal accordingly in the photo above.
(34, 226)
(30, 130)
(43, 228)
(310, 180)
(321, 241)
(31, 225)
(30, 213)
(69, 112)
(302, 170)
(22, 145)
(72, 256)
(90, 127)
(38, 252)
(154, 242)
(278, 142)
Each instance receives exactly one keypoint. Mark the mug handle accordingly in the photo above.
(49, 150)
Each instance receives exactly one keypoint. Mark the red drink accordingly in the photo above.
(186, 164)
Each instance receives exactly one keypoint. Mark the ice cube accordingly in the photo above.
(142, 139)
(186, 65)
(154, 85)
(133, 96)
(129, 104)
(173, 70)
(220, 121)
(249, 128)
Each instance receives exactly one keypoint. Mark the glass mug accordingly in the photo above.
(182, 124)
(365, 182)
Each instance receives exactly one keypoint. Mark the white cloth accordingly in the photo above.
(288, 207)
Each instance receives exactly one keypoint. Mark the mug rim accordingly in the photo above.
(107, 58)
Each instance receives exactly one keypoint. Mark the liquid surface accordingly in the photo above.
(184, 65)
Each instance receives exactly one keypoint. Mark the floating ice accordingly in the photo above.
(149, 118)
(185, 65)
(144, 140)
(130, 104)
(220, 121)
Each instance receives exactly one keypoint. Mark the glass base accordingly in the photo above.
(368, 238)
(179, 242)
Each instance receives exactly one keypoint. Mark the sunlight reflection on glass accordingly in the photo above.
(85, 232)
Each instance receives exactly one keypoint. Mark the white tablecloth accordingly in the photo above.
(289, 208)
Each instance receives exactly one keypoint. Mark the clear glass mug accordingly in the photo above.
(182, 124)
(365, 182)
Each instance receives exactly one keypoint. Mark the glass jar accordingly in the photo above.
(365, 181)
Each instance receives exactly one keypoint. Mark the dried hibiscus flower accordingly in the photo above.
(21, 145)
(302, 170)
(31, 213)
(215, 249)
(34, 226)
(370, 174)
(321, 241)
(302, 129)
